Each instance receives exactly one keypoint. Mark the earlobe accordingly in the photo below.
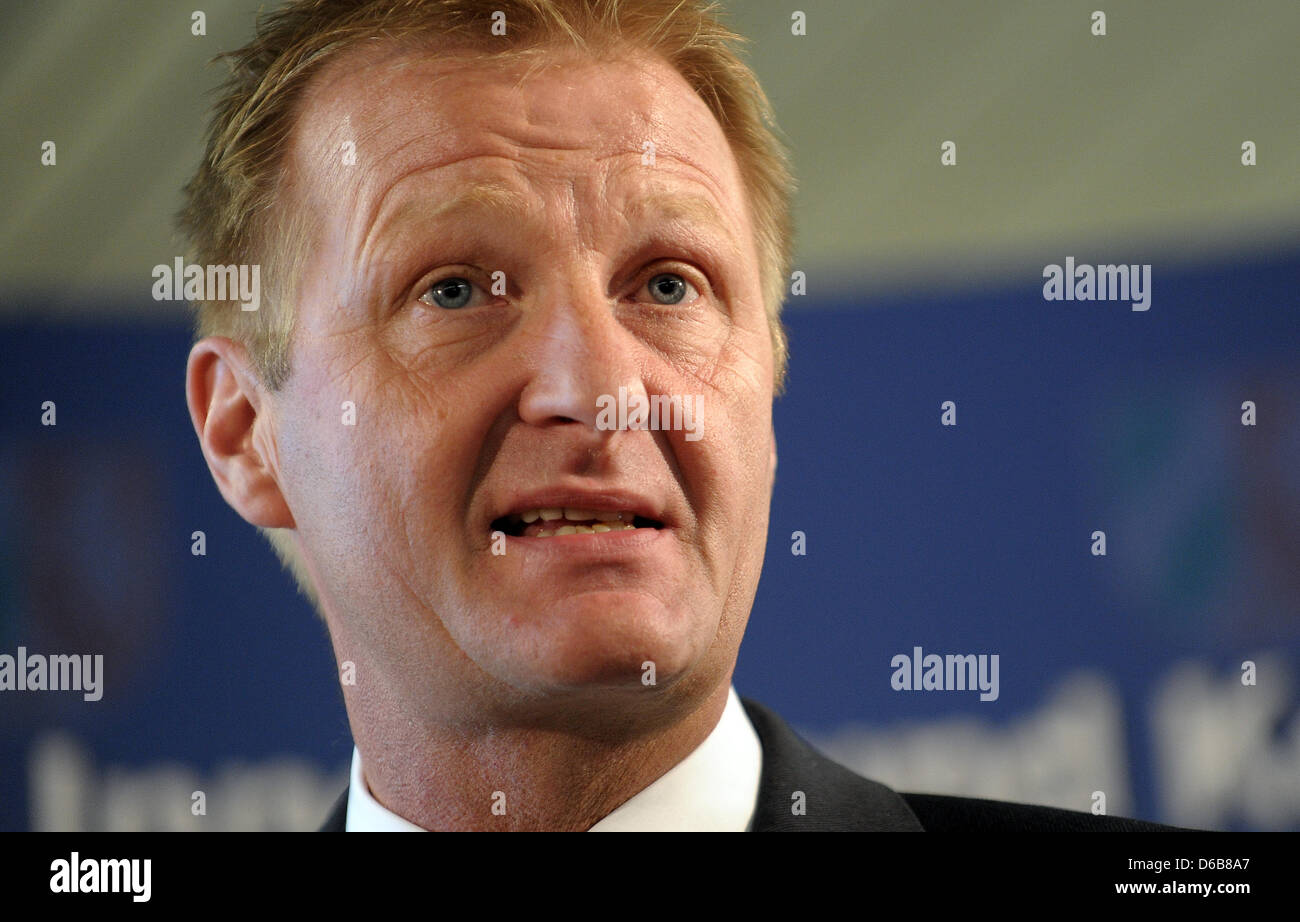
(224, 399)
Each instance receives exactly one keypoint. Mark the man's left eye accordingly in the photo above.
(670, 288)
(451, 293)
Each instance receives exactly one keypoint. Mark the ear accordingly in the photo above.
(230, 412)
(772, 473)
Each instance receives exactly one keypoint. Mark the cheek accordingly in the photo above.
(727, 465)
(691, 342)
(726, 474)
(738, 404)
(749, 446)
(731, 355)
(347, 443)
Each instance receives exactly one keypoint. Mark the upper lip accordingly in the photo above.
(602, 500)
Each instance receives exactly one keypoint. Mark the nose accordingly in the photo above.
(577, 351)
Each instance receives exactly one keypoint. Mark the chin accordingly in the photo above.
(604, 640)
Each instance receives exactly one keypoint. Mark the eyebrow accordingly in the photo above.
(675, 206)
(480, 196)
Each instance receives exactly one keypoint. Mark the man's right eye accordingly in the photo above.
(450, 293)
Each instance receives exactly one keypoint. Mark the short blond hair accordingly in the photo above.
(233, 213)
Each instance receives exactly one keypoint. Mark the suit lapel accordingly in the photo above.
(834, 798)
(337, 821)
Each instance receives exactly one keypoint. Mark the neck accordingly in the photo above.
(527, 777)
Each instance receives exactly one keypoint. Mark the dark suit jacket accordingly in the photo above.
(837, 800)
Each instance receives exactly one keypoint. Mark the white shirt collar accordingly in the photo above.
(714, 789)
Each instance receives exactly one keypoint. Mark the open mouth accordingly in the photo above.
(546, 523)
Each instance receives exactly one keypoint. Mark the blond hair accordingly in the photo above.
(233, 213)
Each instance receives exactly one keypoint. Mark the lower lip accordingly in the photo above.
(594, 545)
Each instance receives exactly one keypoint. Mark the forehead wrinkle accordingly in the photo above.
(487, 197)
(680, 168)
(368, 218)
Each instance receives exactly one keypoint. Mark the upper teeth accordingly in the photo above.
(575, 515)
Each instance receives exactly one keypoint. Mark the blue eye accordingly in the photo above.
(667, 288)
(451, 293)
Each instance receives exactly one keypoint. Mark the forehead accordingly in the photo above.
(402, 110)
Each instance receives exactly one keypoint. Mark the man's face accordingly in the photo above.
(602, 203)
